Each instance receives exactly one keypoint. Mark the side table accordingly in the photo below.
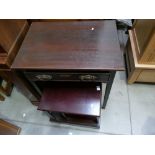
(70, 56)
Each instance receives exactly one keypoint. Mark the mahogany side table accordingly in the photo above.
(57, 53)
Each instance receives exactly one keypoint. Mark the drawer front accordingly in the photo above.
(48, 76)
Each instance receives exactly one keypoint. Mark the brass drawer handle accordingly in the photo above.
(44, 77)
(87, 77)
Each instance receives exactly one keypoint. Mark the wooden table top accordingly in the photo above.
(71, 45)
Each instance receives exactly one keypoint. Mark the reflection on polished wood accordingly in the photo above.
(74, 45)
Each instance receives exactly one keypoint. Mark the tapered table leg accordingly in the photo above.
(2, 98)
(108, 88)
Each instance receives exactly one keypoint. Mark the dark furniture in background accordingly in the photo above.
(5, 85)
(2, 98)
(7, 128)
(59, 55)
(12, 33)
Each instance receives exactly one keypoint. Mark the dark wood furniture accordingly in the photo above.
(5, 87)
(73, 51)
(7, 128)
(2, 98)
(71, 100)
(83, 45)
(12, 33)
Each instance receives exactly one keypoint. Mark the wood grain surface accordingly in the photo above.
(73, 98)
(12, 33)
(73, 45)
(7, 128)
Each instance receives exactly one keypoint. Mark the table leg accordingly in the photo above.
(2, 98)
(108, 88)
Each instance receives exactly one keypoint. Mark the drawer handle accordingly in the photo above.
(87, 77)
(44, 77)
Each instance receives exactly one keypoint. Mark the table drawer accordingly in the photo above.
(48, 76)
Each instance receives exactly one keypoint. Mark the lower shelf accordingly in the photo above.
(75, 119)
(74, 103)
